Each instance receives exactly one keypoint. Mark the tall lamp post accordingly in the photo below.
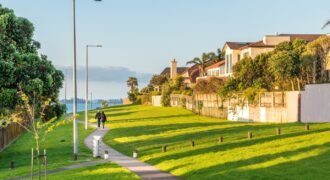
(74, 72)
(86, 76)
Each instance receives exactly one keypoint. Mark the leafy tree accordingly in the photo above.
(318, 52)
(210, 85)
(21, 65)
(132, 83)
(158, 80)
(284, 67)
(133, 95)
(148, 89)
(177, 84)
(253, 72)
(104, 104)
(166, 95)
(25, 116)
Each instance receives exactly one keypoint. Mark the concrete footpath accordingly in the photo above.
(144, 170)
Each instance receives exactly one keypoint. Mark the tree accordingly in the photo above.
(177, 84)
(104, 104)
(158, 80)
(211, 85)
(284, 66)
(25, 116)
(318, 52)
(132, 83)
(166, 95)
(20, 64)
(205, 60)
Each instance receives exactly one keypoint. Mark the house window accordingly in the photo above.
(246, 54)
(222, 70)
(227, 64)
(230, 63)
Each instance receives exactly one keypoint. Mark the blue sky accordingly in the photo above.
(142, 36)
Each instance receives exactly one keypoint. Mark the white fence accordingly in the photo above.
(156, 100)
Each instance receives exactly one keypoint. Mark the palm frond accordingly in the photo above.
(194, 61)
(326, 24)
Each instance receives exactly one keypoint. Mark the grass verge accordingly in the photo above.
(59, 150)
(295, 154)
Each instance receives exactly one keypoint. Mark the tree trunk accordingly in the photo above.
(38, 156)
(292, 85)
(298, 83)
(32, 164)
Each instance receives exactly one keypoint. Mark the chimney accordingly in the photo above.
(173, 69)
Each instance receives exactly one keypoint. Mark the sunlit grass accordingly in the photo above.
(99, 172)
(59, 149)
(296, 154)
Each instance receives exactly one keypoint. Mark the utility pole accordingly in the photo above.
(86, 76)
(91, 100)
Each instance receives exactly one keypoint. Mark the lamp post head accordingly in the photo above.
(98, 46)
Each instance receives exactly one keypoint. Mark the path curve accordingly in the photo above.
(144, 170)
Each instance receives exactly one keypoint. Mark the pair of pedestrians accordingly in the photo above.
(101, 117)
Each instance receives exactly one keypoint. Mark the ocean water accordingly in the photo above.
(81, 106)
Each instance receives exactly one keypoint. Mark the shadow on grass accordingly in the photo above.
(228, 146)
(235, 132)
(299, 169)
(153, 118)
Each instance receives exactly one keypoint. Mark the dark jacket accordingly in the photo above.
(98, 115)
(103, 117)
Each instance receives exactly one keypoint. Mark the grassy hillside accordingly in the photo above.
(296, 154)
(59, 150)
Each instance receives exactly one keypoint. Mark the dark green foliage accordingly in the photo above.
(288, 67)
(8, 98)
(210, 85)
(166, 94)
(159, 80)
(21, 67)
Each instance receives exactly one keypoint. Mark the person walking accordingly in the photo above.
(103, 119)
(98, 118)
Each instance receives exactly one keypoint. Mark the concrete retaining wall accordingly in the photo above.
(315, 103)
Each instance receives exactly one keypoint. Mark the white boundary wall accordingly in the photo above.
(315, 103)
(288, 113)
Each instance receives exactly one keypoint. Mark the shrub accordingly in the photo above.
(211, 85)
(104, 104)
(166, 95)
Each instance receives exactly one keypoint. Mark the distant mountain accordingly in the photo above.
(110, 101)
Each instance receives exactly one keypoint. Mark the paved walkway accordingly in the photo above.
(145, 171)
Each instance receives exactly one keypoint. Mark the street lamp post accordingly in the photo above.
(86, 76)
(74, 72)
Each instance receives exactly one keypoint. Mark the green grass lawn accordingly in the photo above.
(296, 154)
(59, 153)
(99, 172)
